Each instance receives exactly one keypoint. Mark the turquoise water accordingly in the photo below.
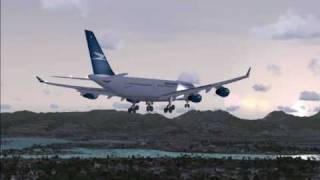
(20, 143)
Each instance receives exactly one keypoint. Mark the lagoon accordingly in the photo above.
(20, 143)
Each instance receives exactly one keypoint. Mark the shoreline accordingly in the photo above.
(44, 144)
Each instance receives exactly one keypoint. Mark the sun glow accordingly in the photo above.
(255, 104)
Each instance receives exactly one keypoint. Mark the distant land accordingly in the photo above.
(201, 131)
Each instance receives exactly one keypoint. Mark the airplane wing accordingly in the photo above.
(71, 77)
(81, 89)
(207, 87)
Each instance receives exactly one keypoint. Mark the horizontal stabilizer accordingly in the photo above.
(122, 74)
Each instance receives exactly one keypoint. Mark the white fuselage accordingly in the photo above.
(140, 89)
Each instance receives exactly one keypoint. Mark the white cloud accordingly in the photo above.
(120, 106)
(274, 69)
(261, 88)
(80, 5)
(314, 66)
(287, 109)
(291, 26)
(309, 96)
(183, 110)
(232, 108)
(189, 77)
(110, 40)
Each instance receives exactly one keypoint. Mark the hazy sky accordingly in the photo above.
(204, 41)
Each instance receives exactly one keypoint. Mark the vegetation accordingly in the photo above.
(195, 131)
(159, 168)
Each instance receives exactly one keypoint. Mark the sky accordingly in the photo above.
(199, 41)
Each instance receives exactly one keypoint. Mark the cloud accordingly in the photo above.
(232, 108)
(261, 88)
(183, 110)
(317, 109)
(309, 96)
(118, 105)
(314, 66)
(189, 77)
(274, 69)
(110, 40)
(54, 106)
(80, 5)
(291, 26)
(5, 107)
(287, 109)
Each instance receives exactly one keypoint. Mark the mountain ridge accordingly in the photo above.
(279, 113)
(106, 121)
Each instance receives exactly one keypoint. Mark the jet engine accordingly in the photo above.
(223, 92)
(195, 98)
(89, 96)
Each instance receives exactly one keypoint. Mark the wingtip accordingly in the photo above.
(248, 73)
(40, 80)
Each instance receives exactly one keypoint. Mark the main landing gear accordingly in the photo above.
(169, 108)
(149, 107)
(187, 105)
(133, 108)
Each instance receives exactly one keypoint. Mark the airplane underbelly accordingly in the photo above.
(144, 93)
(141, 89)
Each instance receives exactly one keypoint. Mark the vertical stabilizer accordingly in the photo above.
(99, 61)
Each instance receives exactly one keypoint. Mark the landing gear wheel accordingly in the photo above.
(169, 108)
(187, 105)
(133, 108)
(149, 108)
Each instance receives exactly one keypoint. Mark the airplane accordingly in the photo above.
(134, 89)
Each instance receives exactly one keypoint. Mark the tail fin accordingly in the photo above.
(99, 61)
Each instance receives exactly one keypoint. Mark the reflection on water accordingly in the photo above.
(20, 143)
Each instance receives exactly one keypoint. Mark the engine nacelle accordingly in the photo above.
(223, 92)
(195, 98)
(89, 96)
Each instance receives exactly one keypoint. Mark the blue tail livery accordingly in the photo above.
(99, 61)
